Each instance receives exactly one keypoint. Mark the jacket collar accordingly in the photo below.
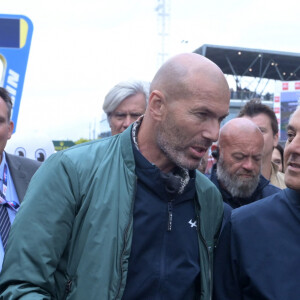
(126, 148)
(293, 196)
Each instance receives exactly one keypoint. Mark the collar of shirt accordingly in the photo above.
(3, 162)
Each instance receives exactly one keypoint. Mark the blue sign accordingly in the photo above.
(15, 39)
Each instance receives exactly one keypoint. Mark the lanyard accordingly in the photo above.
(11, 204)
(4, 187)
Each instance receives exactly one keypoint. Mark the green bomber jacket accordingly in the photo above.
(71, 238)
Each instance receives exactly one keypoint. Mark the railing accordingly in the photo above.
(247, 95)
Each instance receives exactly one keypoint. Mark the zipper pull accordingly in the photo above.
(68, 287)
(170, 214)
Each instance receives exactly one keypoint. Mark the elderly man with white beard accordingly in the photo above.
(237, 173)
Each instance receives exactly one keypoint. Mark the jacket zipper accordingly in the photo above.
(124, 238)
(68, 288)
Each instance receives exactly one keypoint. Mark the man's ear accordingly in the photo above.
(216, 153)
(156, 105)
(275, 140)
(11, 129)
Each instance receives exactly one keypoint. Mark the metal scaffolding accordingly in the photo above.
(163, 10)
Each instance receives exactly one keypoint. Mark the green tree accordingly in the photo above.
(80, 141)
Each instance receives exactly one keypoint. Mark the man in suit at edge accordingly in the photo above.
(15, 173)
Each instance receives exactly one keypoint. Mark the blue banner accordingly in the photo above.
(15, 39)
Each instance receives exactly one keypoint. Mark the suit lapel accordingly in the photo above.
(19, 177)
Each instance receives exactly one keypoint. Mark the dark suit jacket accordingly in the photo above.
(21, 170)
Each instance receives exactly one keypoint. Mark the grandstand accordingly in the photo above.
(254, 73)
(255, 63)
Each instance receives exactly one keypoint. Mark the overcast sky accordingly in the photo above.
(80, 49)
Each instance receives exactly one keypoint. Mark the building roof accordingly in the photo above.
(236, 61)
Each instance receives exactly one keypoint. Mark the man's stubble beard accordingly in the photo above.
(170, 140)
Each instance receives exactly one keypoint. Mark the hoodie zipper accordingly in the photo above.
(170, 215)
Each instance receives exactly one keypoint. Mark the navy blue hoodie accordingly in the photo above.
(164, 259)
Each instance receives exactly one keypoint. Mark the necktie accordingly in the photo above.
(4, 217)
(4, 224)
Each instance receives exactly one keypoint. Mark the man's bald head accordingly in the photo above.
(189, 97)
(240, 152)
(237, 129)
(174, 78)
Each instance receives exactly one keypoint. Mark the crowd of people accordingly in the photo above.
(138, 216)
